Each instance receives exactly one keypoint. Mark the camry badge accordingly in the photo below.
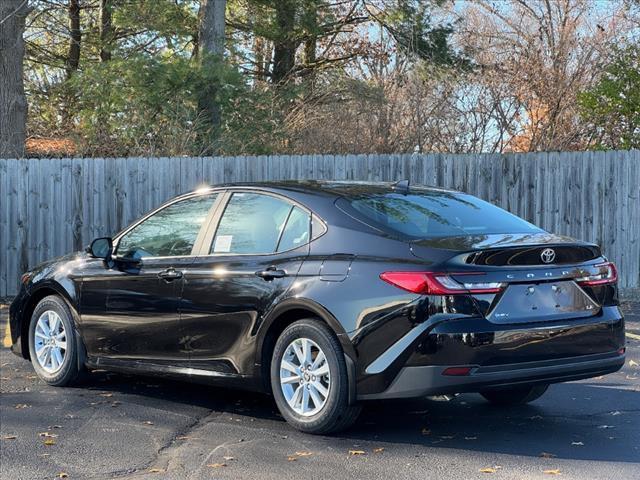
(548, 255)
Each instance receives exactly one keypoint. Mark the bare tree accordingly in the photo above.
(538, 54)
(13, 105)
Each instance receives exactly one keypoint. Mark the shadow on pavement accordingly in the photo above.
(595, 420)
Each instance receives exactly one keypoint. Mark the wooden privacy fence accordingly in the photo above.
(53, 206)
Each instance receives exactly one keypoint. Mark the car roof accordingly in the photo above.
(327, 188)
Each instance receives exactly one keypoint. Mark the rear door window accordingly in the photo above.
(251, 224)
(296, 232)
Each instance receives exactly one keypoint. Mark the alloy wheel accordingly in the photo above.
(305, 379)
(50, 341)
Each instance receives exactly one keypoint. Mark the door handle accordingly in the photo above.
(170, 274)
(271, 273)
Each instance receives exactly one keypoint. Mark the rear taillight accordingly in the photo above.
(607, 274)
(432, 283)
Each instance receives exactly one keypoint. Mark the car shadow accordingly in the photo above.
(582, 421)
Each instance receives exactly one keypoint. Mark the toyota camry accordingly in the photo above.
(325, 295)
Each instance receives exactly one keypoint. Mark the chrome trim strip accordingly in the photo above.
(381, 363)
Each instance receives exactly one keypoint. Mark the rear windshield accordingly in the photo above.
(436, 214)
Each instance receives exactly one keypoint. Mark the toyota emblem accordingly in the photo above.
(548, 255)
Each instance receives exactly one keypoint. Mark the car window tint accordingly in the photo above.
(251, 224)
(437, 214)
(170, 232)
(296, 232)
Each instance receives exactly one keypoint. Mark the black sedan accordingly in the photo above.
(326, 294)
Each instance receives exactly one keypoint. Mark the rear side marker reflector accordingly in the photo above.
(608, 274)
(432, 283)
(457, 371)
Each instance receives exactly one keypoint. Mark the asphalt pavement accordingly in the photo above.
(118, 426)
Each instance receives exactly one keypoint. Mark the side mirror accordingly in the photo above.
(101, 248)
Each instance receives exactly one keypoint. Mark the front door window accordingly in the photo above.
(171, 232)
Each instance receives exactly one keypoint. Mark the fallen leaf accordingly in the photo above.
(106, 394)
(229, 458)
(183, 437)
(488, 470)
(156, 470)
(22, 405)
(148, 422)
(577, 443)
(63, 475)
(292, 459)
(547, 455)
(47, 435)
(116, 403)
(552, 472)
(632, 363)
(216, 465)
(378, 450)
(49, 442)
(357, 452)
(304, 454)
(9, 437)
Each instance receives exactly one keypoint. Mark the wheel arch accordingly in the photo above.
(35, 296)
(284, 315)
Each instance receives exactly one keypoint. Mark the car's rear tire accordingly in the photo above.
(52, 343)
(309, 379)
(515, 395)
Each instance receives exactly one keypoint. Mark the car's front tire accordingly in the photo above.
(309, 379)
(52, 342)
(515, 395)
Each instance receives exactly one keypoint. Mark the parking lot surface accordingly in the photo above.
(117, 426)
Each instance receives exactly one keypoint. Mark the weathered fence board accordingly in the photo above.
(52, 206)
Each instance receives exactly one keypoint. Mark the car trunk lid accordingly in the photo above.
(538, 272)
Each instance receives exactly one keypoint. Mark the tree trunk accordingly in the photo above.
(106, 30)
(210, 50)
(13, 104)
(211, 31)
(258, 55)
(258, 47)
(75, 37)
(310, 23)
(311, 41)
(284, 49)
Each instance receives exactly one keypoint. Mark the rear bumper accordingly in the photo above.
(421, 381)
(497, 355)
